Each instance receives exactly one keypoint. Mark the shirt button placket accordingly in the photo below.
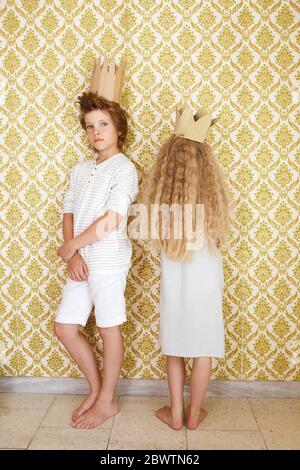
(93, 172)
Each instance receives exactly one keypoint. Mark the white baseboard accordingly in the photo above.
(139, 387)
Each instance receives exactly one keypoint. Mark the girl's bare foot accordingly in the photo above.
(165, 415)
(96, 415)
(195, 418)
(85, 405)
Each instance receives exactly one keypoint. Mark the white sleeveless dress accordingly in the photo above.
(191, 316)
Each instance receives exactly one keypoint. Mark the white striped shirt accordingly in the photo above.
(93, 190)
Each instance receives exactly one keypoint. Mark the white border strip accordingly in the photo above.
(139, 387)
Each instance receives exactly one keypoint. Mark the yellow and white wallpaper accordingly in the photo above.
(237, 58)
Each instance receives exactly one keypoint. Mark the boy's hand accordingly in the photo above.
(77, 268)
(66, 250)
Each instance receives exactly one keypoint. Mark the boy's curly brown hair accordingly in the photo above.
(90, 101)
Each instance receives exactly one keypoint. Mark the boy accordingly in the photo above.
(98, 254)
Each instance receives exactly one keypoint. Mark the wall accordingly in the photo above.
(239, 60)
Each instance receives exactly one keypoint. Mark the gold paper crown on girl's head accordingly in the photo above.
(107, 79)
(193, 127)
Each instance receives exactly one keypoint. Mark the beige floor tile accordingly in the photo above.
(231, 424)
(279, 421)
(18, 425)
(282, 440)
(25, 400)
(142, 403)
(60, 412)
(224, 440)
(228, 414)
(274, 405)
(70, 439)
(280, 430)
(142, 430)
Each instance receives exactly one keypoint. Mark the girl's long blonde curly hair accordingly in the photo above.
(187, 172)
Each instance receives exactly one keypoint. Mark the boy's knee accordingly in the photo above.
(109, 331)
(104, 333)
(59, 330)
(64, 331)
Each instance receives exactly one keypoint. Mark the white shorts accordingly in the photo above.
(104, 291)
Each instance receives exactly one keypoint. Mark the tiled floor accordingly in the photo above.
(31, 421)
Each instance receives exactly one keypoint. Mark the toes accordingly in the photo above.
(83, 422)
(84, 425)
(76, 425)
(159, 414)
(78, 422)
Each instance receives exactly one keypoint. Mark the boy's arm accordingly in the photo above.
(68, 207)
(68, 227)
(77, 269)
(101, 227)
(96, 231)
(121, 196)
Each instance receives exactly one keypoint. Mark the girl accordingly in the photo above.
(186, 172)
(98, 254)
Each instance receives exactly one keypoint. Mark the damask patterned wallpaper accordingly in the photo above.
(238, 59)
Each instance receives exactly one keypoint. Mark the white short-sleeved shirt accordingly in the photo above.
(93, 190)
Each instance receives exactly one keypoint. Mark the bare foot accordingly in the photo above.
(193, 420)
(165, 415)
(85, 405)
(96, 415)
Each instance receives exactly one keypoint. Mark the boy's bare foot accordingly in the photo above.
(165, 415)
(96, 415)
(193, 420)
(85, 405)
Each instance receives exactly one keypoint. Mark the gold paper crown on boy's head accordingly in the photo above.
(193, 127)
(107, 79)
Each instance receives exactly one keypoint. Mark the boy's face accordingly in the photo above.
(100, 130)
